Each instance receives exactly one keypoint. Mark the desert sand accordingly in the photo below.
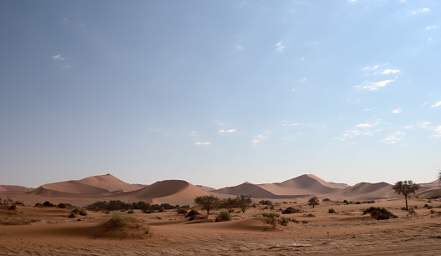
(30, 230)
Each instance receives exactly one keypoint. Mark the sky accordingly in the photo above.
(220, 92)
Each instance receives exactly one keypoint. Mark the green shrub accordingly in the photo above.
(223, 216)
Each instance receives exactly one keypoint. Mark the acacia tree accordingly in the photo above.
(406, 188)
(244, 203)
(207, 202)
(313, 201)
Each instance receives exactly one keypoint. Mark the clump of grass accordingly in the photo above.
(379, 213)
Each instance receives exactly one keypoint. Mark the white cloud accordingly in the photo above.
(431, 27)
(239, 47)
(421, 11)
(259, 138)
(391, 71)
(280, 46)
(58, 57)
(226, 131)
(396, 111)
(437, 131)
(394, 138)
(365, 125)
(374, 86)
(437, 105)
(370, 68)
(202, 143)
(286, 124)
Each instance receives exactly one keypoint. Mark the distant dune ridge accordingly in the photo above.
(107, 187)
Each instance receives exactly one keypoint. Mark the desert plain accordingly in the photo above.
(335, 226)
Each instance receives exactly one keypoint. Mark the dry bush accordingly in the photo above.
(192, 215)
(291, 210)
(379, 213)
(332, 211)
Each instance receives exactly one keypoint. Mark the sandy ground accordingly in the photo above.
(346, 233)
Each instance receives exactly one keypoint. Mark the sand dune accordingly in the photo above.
(306, 184)
(13, 188)
(110, 183)
(367, 191)
(247, 189)
(167, 191)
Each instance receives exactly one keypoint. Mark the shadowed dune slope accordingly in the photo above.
(247, 189)
(68, 187)
(12, 188)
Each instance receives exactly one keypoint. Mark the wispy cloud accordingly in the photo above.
(431, 27)
(421, 11)
(202, 143)
(260, 138)
(437, 131)
(391, 71)
(226, 131)
(394, 138)
(361, 129)
(437, 105)
(374, 86)
(58, 57)
(279, 46)
(396, 111)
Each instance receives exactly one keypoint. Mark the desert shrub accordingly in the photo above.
(309, 215)
(147, 211)
(71, 215)
(412, 212)
(61, 206)
(79, 211)
(48, 204)
(347, 202)
(284, 221)
(12, 207)
(192, 215)
(181, 211)
(331, 210)
(271, 218)
(223, 216)
(266, 202)
(326, 200)
(291, 210)
(130, 211)
(117, 205)
(379, 213)
(428, 206)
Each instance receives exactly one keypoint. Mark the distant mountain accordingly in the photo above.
(307, 184)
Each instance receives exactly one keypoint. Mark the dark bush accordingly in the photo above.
(181, 211)
(291, 210)
(379, 213)
(326, 200)
(192, 215)
(130, 212)
(266, 202)
(12, 207)
(331, 210)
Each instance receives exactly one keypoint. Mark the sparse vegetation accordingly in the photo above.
(313, 201)
(379, 213)
(207, 202)
(182, 211)
(266, 202)
(331, 211)
(326, 200)
(223, 216)
(121, 227)
(117, 205)
(78, 211)
(406, 188)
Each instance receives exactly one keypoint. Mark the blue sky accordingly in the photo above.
(220, 92)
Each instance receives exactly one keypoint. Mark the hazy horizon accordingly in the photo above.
(220, 92)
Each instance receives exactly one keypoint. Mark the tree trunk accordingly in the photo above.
(407, 207)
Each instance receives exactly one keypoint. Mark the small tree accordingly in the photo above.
(313, 201)
(406, 188)
(244, 203)
(207, 202)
